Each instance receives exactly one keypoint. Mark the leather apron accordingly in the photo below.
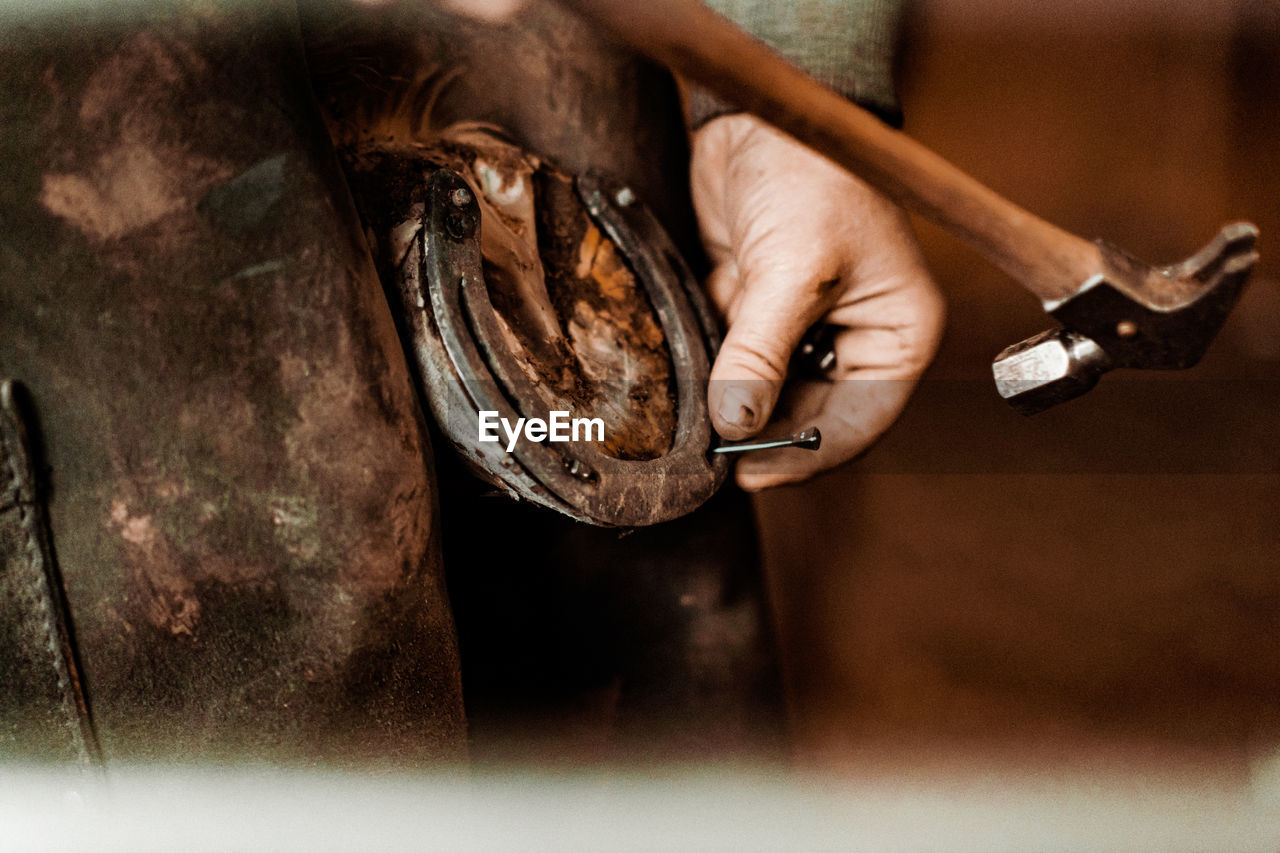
(239, 484)
(236, 475)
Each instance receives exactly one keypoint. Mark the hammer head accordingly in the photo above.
(1049, 368)
(1129, 315)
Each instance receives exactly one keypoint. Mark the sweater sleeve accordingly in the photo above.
(847, 45)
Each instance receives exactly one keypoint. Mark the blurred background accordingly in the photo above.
(1099, 582)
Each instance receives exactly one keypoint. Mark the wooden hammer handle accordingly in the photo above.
(707, 49)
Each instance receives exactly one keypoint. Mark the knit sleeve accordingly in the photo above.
(848, 45)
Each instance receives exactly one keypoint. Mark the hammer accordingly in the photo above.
(1115, 311)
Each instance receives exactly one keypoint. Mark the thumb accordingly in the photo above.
(765, 327)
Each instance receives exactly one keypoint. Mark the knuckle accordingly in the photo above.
(759, 352)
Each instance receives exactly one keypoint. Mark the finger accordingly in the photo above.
(892, 334)
(878, 353)
(767, 324)
(877, 369)
(852, 414)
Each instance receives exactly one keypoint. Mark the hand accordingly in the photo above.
(794, 240)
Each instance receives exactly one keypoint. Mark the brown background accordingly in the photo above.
(1101, 579)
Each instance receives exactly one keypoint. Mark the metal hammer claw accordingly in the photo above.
(1129, 315)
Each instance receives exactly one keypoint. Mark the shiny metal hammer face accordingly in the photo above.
(1050, 368)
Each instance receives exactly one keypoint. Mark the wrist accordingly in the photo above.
(701, 106)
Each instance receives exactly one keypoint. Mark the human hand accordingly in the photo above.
(795, 239)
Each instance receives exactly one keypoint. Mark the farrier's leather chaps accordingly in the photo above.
(240, 486)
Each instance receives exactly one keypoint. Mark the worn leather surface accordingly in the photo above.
(241, 490)
(241, 494)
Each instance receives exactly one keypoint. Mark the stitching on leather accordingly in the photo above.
(38, 592)
(11, 487)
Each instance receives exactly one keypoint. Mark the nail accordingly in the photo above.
(809, 439)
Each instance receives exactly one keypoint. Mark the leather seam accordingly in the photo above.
(38, 577)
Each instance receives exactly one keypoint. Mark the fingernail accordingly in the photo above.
(738, 408)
